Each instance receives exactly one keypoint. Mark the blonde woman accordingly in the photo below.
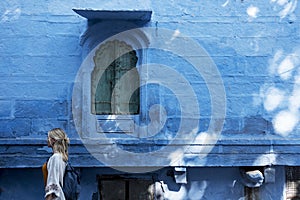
(54, 169)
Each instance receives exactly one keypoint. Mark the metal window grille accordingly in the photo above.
(292, 183)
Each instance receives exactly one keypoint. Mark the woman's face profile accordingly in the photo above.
(49, 141)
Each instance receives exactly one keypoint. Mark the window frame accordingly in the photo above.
(127, 180)
(91, 125)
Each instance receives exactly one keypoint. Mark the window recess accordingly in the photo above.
(103, 102)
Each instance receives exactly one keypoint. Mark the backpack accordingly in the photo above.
(71, 187)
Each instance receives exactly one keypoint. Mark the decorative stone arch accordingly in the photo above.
(137, 39)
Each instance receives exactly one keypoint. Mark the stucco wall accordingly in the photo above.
(253, 44)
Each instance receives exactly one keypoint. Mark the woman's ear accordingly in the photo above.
(51, 142)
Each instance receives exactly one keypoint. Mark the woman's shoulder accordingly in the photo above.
(56, 156)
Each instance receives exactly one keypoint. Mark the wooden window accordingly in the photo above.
(120, 188)
(293, 183)
(111, 64)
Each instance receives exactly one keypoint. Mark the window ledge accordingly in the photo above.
(138, 15)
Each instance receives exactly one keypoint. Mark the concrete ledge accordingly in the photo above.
(28, 153)
(90, 14)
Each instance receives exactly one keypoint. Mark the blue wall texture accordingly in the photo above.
(255, 46)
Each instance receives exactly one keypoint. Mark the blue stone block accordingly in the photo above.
(228, 65)
(203, 124)
(5, 109)
(43, 125)
(231, 125)
(256, 125)
(14, 128)
(41, 109)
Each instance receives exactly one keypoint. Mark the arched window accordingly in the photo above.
(108, 96)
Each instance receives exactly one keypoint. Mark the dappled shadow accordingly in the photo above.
(281, 95)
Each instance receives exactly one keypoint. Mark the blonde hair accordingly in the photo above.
(60, 142)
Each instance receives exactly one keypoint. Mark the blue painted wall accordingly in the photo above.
(255, 45)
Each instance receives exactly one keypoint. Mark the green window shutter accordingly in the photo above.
(124, 64)
(109, 97)
(103, 91)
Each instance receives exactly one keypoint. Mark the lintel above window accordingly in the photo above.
(136, 15)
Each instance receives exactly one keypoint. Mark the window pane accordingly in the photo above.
(116, 188)
(108, 96)
(292, 183)
(113, 190)
(123, 104)
(103, 91)
(139, 189)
